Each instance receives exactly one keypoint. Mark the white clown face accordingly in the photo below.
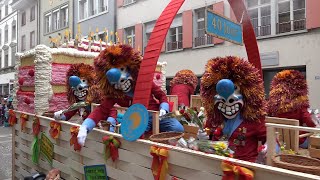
(228, 101)
(120, 78)
(81, 90)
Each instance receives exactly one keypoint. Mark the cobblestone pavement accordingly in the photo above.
(5, 153)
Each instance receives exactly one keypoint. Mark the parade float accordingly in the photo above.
(41, 143)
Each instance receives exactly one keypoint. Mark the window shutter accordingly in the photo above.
(313, 14)
(119, 3)
(120, 35)
(219, 8)
(187, 29)
(138, 36)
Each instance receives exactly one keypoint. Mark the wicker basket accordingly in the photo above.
(166, 136)
(297, 163)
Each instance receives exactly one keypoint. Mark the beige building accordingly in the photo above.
(287, 31)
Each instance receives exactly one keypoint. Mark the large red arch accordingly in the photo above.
(158, 35)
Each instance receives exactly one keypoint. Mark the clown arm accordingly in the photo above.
(161, 96)
(69, 114)
(306, 118)
(101, 112)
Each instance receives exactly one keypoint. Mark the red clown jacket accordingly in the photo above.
(183, 91)
(102, 111)
(303, 116)
(244, 140)
(70, 114)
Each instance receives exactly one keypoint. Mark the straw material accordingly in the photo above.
(297, 163)
(166, 136)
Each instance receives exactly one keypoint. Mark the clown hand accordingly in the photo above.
(82, 135)
(162, 112)
(59, 115)
(202, 135)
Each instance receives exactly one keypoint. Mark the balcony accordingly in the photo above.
(171, 46)
(21, 4)
(203, 40)
(295, 25)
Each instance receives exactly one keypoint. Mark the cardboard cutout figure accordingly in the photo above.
(233, 94)
(288, 98)
(183, 85)
(117, 69)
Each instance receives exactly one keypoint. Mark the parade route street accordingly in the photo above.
(5, 153)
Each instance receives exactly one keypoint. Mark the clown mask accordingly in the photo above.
(120, 78)
(80, 87)
(229, 101)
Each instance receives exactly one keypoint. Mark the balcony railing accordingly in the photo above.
(203, 40)
(174, 45)
(126, 2)
(295, 25)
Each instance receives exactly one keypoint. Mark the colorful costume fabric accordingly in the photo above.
(117, 69)
(288, 98)
(233, 94)
(183, 85)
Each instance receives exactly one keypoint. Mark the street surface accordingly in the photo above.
(5, 153)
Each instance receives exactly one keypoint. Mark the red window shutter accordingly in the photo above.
(120, 35)
(313, 14)
(119, 3)
(218, 8)
(138, 37)
(187, 29)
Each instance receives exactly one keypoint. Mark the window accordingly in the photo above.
(175, 39)
(13, 55)
(88, 8)
(32, 39)
(127, 2)
(57, 19)
(64, 16)
(23, 18)
(260, 14)
(32, 13)
(130, 36)
(291, 15)
(6, 10)
(14, 30)
(6, 34)
(148, 28)
(6, 59)
(201, 38)
(23, 43)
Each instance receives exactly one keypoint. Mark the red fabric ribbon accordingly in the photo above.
(36, 126)
(112, 145)
(12, 117)
(24, 119)
(159, 165)
(74, 130)
(232, 172)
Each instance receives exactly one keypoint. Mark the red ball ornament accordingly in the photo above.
(31, 72)
(20, 81)
(217, 132)
(158, 76)
(27, 101)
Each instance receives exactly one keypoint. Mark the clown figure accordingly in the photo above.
(117, 69)
(288, 98)
(183, 85)
(81, 88)
(233, 94)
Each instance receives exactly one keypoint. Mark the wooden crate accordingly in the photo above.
(134, 158)
(190, 131)
(195, 101)
(314, 148)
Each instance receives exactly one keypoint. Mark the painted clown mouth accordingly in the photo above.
(81, 94)
(229, 110)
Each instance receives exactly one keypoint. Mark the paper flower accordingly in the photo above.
(74, 130)
(36, 126)
(55, 128)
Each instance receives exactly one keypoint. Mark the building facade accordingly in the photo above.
(56, 18)
(287, 32)
(96, 16)
(8, 44)
(28, 23)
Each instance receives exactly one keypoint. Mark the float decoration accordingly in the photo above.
(55, 128)
(74, 130)
(12, 117)
(112, 145)
(232, 171)
(159, 165)
(35, 149)
(24, 119)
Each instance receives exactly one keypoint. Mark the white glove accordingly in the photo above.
(162, 112)
(82, 135)
(202, 135)
(58, 115)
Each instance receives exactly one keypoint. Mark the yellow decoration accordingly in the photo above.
(107, 38)
(111, 33)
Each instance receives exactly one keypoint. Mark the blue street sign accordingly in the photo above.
(223, 28)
